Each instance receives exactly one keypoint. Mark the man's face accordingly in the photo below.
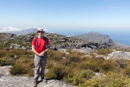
(40, 33)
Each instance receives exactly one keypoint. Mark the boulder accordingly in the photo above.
(24, 48)
(119, 55)
(121, 63)
(15, 46)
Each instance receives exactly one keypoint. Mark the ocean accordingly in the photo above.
(125, 41)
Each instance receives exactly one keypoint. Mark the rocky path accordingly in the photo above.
(21, 81)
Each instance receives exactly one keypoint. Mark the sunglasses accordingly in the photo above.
(40, 31)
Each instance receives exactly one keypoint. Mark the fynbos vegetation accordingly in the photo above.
(73, 68)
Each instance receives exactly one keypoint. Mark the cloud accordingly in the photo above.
(6, 29)
(71, 35)
(38, 27)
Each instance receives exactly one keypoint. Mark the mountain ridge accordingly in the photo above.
(89, 37)
(24, 31)
(97, 37)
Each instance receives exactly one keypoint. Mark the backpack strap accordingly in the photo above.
(45, 39)
(35, 42)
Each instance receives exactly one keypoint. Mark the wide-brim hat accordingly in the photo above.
(40, 29)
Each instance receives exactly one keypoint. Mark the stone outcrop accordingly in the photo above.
(119, 55)
(21, 81)
(85, 50)
(16, 46)
(28, 82)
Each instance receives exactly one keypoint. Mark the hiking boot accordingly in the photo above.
(35, 84)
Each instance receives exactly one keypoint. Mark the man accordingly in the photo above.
(39, 48)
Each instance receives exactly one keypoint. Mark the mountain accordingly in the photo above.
(99, 38)
(23, 32)
(95, 37)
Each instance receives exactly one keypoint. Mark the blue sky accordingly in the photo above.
(66, 17)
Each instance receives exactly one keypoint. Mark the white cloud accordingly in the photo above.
(6, 29)
(38, 27)
(71, 35)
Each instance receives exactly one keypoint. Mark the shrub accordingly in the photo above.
(113, 79)
(104, 51)
(18, 69)
(56, 73)
(74, 58)
(81, 76)
(91, 83)
(83, 65)
(2, 54)
(127, 72)
(55, 55)
(49, 65)
(7, 61)
(31, 64)
(107, 66)
(30, 72)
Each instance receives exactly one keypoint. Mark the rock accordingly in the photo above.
(62, 39)
(53, 47)
(16, 56)
(121, 63)
(4, 70)
(63, 51)
(101, 56)
(15, 46)
(99, 74)
(28, 82)
(21, 81)
(84, 50)
(24, 48)
(89, 56)
(119, 55)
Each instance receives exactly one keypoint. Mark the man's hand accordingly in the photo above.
(42, 53)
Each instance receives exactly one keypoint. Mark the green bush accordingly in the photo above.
(83, 65)
(18, 69)
(56, 73)
(30, 72)
(2, 54)
(92, 83)
(107, 66)
(127, 72)
(81, 76)
(7, 61)
(74, 58)
(49, 65)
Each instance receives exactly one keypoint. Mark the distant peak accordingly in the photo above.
(94, 32)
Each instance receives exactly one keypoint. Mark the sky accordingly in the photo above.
(66, 17)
